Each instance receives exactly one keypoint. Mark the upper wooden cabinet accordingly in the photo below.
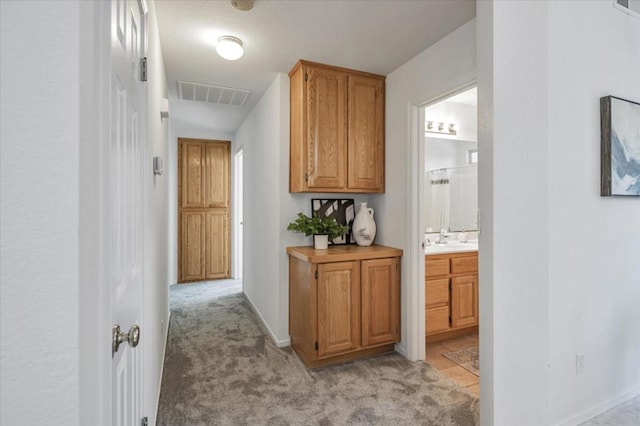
(337, 130)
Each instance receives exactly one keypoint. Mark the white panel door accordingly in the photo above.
(126, 202)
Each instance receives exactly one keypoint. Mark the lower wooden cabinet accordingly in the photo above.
(344, 302)
(451, 293)
(464, 301)
(338, 314)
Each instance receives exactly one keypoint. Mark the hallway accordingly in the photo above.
(222, 368)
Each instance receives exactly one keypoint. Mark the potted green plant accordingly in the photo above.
(322, 229)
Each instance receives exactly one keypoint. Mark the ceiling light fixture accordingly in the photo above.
(441, 127)
(230, 48)
(243, 5)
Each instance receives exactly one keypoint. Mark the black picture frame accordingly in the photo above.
(341, 209)
(619, 145)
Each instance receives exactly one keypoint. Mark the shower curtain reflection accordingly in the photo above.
(451, 198)
(437, 200)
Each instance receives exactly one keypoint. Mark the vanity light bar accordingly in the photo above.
(441, 127)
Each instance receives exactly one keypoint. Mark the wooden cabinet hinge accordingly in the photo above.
(306, 76)
(316, 346)
(306, 177)
(316, 279)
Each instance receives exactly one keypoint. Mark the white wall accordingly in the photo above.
(514, 208)
(182, 128)
(269, 207)
(39, 212)
(261, 137)
(594, 291)
(444, 67)
(54, 298)
(156, 294)
(572, 288)
(441, 153)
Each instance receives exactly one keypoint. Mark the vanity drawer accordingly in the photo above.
(437, 320)
(436, 292)
(460, 265)
(436, 267)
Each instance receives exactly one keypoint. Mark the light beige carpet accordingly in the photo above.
(469, 359)
(222, 369)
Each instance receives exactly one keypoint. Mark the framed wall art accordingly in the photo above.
(620, 147)
(343, 210)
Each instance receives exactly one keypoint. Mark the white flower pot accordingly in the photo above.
(320, 242)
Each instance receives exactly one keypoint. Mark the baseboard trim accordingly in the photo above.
(601, 408)
(401, 349)
(279, 343)
(164, 355)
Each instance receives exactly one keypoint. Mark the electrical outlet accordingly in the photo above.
(579, 363)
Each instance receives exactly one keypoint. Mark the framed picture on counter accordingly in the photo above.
(342, 210)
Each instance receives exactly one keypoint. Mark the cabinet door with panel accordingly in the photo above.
(217, 175)
(464, 301)
(380, 301)
(366, 133)
(216, 251)
(326, 133)
(337, 129)
(192, 245)
(338, 307)
(192, 179)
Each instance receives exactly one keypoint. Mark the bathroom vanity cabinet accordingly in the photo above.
(337, 129)
(451, 294)
(344, 302)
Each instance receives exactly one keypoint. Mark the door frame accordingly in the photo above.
(95, 289)
(237, 187)
(416, 341)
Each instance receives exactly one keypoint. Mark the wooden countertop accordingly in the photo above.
(342, 253)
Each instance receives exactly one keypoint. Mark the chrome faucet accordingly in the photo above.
(442, 238)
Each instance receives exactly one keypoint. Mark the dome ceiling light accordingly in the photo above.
(242, 4)
(230, 48)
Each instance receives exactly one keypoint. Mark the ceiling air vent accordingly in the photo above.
(212, 94)
(632, 7)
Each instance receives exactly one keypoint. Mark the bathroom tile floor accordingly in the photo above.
(450, 368)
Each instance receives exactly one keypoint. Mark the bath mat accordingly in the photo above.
(469, 359)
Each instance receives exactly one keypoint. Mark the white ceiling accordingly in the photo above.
(369, 35)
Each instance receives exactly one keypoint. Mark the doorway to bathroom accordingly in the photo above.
(448, 206)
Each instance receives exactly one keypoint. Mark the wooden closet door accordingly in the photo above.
(204, 192)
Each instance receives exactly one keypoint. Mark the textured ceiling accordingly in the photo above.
(369, 35)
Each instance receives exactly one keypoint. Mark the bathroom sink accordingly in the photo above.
(452, 247)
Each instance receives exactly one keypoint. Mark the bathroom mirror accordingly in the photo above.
(451, 198)
(451, 164)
